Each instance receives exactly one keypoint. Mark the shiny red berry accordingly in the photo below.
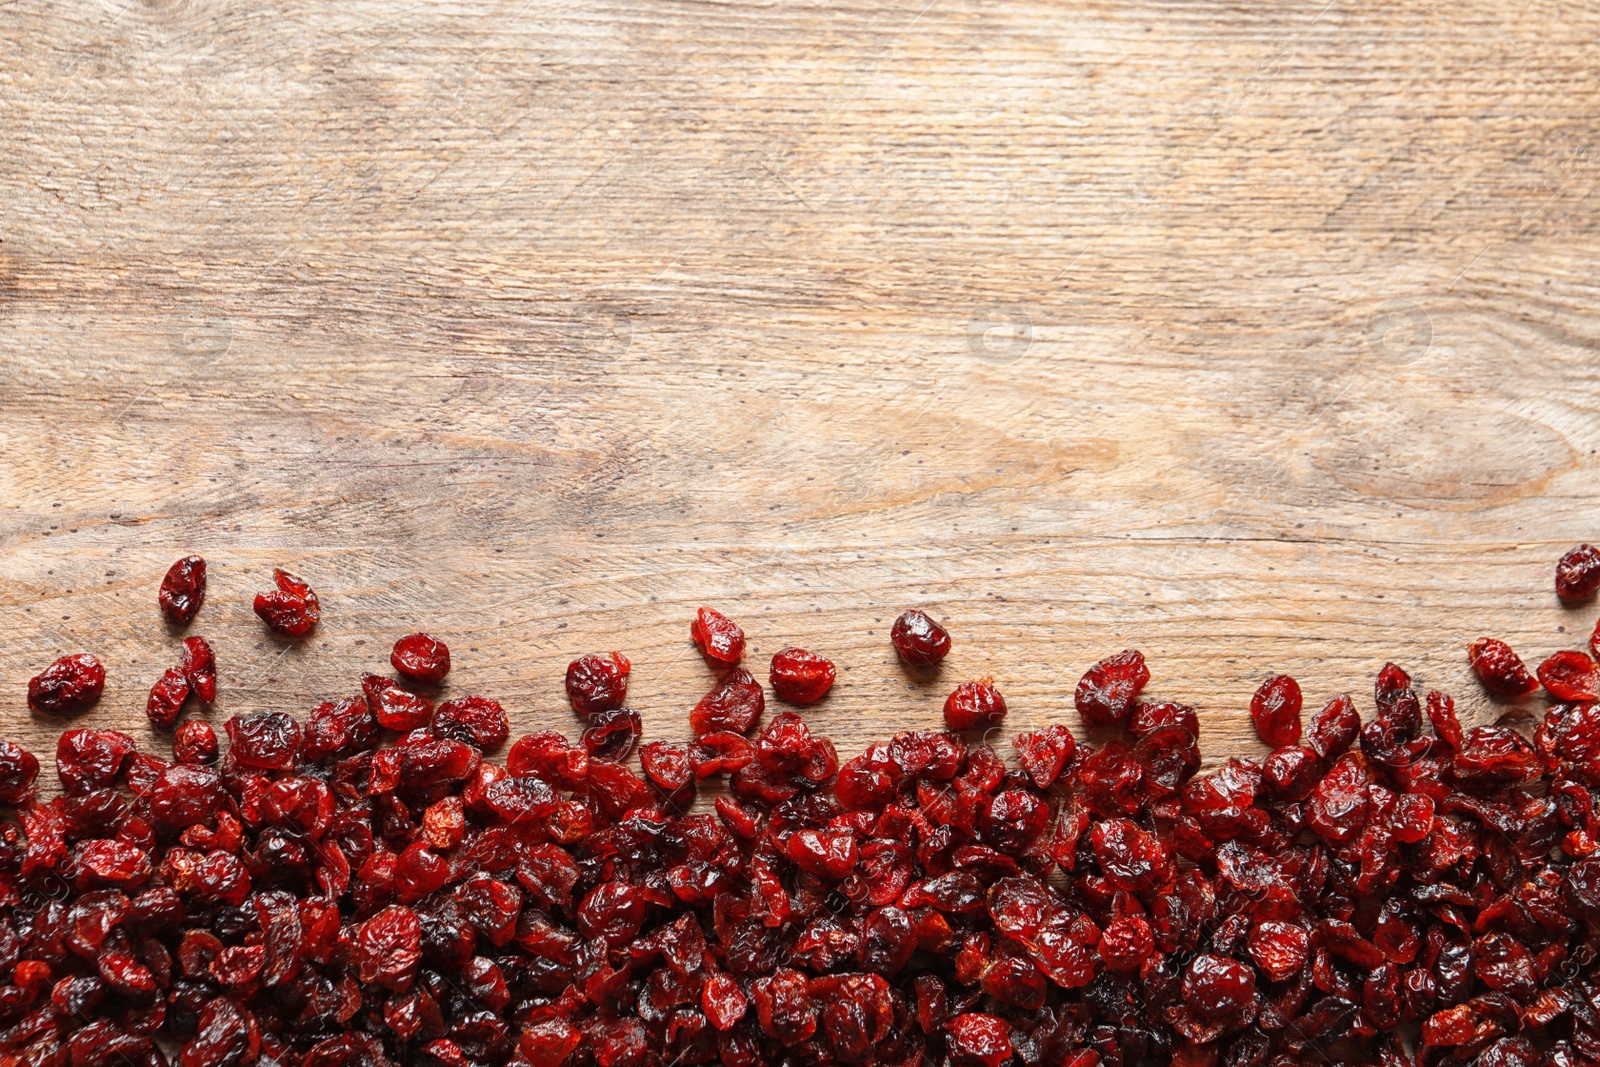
(919, 640)
(801, 677)
(421, 657)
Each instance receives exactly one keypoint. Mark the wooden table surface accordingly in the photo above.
(1262, 338)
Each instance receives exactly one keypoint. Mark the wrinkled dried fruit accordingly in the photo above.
(1570, 675)
(919, 640)
(1578, 573)
(718, 637)
(167, 697)
(800, 677)
(735, 704)
(476, 721)
(1275, 710)
(292, 609)
(69, 685)
(199, 666)
(421, 657)
(1107, 691)
(1499, 668)
(183, 590)
(597, 683)
(974, 706)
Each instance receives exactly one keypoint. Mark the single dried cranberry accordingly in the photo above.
(825, 853)
(1044, 753)
(18, 770)
(1291, 772)
(1148, 718)
(167, 697)
(718, 636)
(1499, 668)
(723, 1002)
(597, 683)
(1578, 573)
(974, 706)
(978, 1040)
(1220, 990)
(183, 590)
(1107, 691)
(69, 685)
(199, 665)
(612, 733)
(1280, 949)
(195, 742)
(1494, 757)
(1442, 714)
(338, 728)
(472, 720)
(388, 948)
(919, 640)
(1334, 728)
(1275, 710)
(395, 708)
(266, 740)
(1570, 675)
(735, 703)
(801, 677)
(721, 752)
(667, 767)
(1127, 943)
(421, 657)
(292, 609)
(92, 759)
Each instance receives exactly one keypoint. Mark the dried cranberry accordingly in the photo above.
(1151, 717)
(91, 759)
(1334, 728)
(597, 683)
(735, 703)
(167, 697)
(978, 1040)
(612, 734)
(183, 590)
(421, 657)
(199, 666)
(1499, 668)
(1570, 675)
(266, 740)
(1280, 949)
(69, 685)
(1578, 573)
(721, 752)
(292, 609)
(19, 768)
(919, 640)
(1275, 710)
(1107, 691)
(395, 708)
(195, 742)
(801, 677)
(1045, 753)
(1220, 990)
(472, 720)
(718, 636)
(974, 706)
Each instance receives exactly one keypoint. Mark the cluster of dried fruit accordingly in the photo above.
(317, 898)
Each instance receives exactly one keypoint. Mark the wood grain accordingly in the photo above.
(1260, 338)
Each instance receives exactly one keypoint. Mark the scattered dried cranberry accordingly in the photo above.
(292, 609)
(612, 733)
(718, 636)
(736, 703)
(1578, 574)
(919, 640)
(801, 677)
(199, 666)
(1499, 668)
(71, 684)
(195, 742)
(421, 657)
(395, 708)
(1275, 710)
(974, 706)
(183, 590)
(597, 683)
(472, 720)
(18, 770)
(167, 697)
(1570, 675)
(1107, 691)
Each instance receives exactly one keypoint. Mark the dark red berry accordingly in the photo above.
(421, 657)
(1500, 669)
(69, 685)
(612, 733)
(1578, 574)
(735, 703)
(195, 742)
(18, 770)
(801, 677)
(1335, 727)
(1275, 710)
(974, 706)
(199, 666)
(1107, 691)
(1045, 753)
(718, 636)
(473, 720)
(1150, 717)
(266, 740)
(597, 683)
(1570, 675)
(167, 697)
(292, 609)
(183, 590)
(919, 640)
(978, 1040)
(395, 708)
(1220, 990)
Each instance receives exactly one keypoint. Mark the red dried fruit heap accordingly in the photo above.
(325, 897)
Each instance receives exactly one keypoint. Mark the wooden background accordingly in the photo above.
(1259, 337)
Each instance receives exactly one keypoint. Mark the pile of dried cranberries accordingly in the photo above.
(1394, 891)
